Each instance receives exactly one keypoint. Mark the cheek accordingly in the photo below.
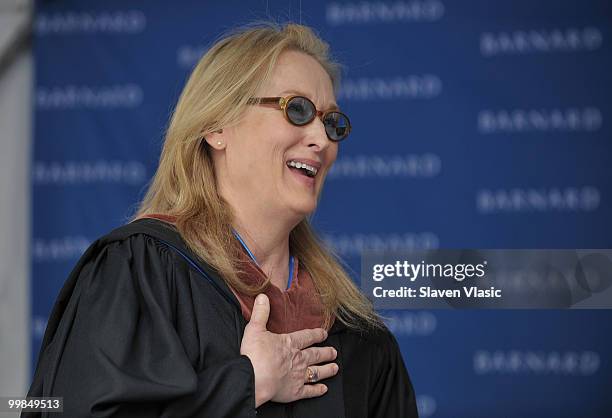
(265, 144)
(274, 151)
(242, 160)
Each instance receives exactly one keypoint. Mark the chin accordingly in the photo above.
(304, 209)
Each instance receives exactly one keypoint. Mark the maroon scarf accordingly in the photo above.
(296, 308)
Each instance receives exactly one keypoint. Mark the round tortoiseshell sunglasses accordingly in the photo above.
(301, 111)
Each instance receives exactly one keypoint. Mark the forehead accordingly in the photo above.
(298, 73)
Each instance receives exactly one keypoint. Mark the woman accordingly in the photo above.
(218, 300)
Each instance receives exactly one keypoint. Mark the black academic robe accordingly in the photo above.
(138, 331)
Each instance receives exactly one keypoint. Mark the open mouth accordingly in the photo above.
(302, 168)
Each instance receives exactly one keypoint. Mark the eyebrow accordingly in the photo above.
(333, 106)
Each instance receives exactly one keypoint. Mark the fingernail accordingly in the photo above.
(335, 352)
(259, 299)
(336, 368)
(324, 389)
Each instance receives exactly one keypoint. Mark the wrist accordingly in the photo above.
(262, 394)
(259, 400)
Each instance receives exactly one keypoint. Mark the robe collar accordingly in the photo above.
(296, 308)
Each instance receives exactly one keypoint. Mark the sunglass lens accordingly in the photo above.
(337, 126)
(300, 110)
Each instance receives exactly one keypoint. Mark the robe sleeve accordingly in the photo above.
(123, 356)
(392, 394)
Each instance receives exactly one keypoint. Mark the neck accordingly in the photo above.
(268, 239)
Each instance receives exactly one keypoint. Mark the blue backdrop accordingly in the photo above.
(477, 124)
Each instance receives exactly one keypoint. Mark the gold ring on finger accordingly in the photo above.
(312, 375)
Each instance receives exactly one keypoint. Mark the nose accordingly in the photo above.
(317, 137)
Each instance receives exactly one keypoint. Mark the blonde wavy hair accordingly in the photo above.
(184, 185)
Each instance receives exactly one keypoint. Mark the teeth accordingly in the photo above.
(311, 170)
